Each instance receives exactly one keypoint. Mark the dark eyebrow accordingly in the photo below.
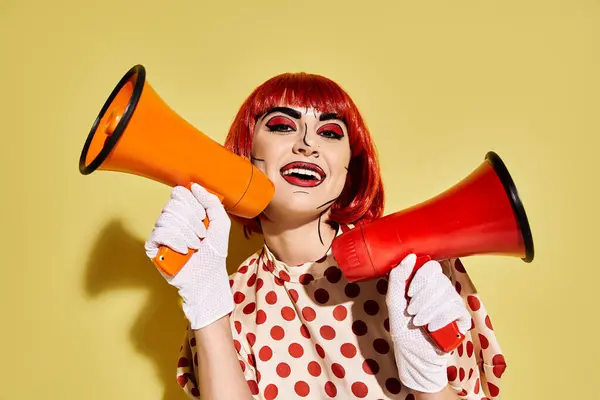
(328, 116)
(285, 110)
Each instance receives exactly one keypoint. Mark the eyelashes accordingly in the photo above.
(331, 130)
(282, 124)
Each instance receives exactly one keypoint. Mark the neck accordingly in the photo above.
(295, 244)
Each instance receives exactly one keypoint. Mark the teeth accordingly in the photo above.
(302, 171)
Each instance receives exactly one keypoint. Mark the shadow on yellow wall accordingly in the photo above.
(117, 261)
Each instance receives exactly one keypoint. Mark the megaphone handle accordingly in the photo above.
(168, 260)
(447, 338)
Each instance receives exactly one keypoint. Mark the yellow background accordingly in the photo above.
(85, 316)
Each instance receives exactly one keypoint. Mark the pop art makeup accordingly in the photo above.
(305, 153)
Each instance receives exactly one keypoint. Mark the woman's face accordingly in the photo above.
(306, 155)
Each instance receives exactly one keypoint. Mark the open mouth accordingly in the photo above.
(303, 174)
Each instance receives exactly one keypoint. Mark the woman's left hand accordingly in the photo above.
(434, 302)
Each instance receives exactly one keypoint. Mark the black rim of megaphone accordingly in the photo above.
(517, 205)
(118, 132)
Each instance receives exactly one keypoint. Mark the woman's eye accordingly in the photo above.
(281, 124)
(332, 131)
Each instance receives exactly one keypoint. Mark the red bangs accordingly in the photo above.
(300, 90)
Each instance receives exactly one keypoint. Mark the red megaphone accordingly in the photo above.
(482, 214)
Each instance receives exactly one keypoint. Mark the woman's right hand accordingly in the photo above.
(203, 282)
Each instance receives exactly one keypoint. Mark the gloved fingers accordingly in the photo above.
(219, 221)
(444, 315)
(166, 236)
(395, 298)
(174, 223)
(184, 206)
(437, 291)
(423, 277)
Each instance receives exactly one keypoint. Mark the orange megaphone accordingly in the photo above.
(482, 214)
(136, 132)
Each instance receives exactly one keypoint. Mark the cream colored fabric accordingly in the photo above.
(306, 332)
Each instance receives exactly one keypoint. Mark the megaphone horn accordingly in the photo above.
(136, 132)
(482, 214)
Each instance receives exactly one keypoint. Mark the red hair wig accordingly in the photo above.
(362, 198)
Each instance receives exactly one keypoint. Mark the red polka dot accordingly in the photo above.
(483, 341)
(231, 283)
(477, 386)
(252, 360)
(381, 346)
(305, 279)
(327, 332)
(237, 345)
(473, 302)
(461, 374)
(301, 388)
(359, 389)
(243, 269)
(382, 286)
(265, 353)
(242, 365)
(494, 390)
(309, 314)
(458, 265)
(271, 392)
(352, 290)
(458, 287)
(340, 313)
(370, 366)
(251, 338)
(261, 317)
(393, 385)
(359, 328)
(293, 295)
(182, 380)
(470, 348)
(288, 313)
(259, 284)
(277, 332)
(183, 362)
(251, 280)
(452, 373)
(333, 274)
(238, 297)
(499, 365)
(338, 370)
(304, 331)
(271, 297)
(320, 350)
(488, 322)
(460, 349)
(314, 368)
(321, 296)
(348, 350)
(284, 276)
(330, 389)
(371, 307)
(238, 326)
(283, 370)
(249, 308)
(295, 350)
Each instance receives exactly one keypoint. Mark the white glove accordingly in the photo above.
(433, 301)
(203, 283)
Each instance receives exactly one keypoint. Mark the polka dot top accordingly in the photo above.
(306, 332)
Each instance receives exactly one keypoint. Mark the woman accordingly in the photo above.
(288, 324)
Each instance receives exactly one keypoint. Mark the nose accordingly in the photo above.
(305, 145)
